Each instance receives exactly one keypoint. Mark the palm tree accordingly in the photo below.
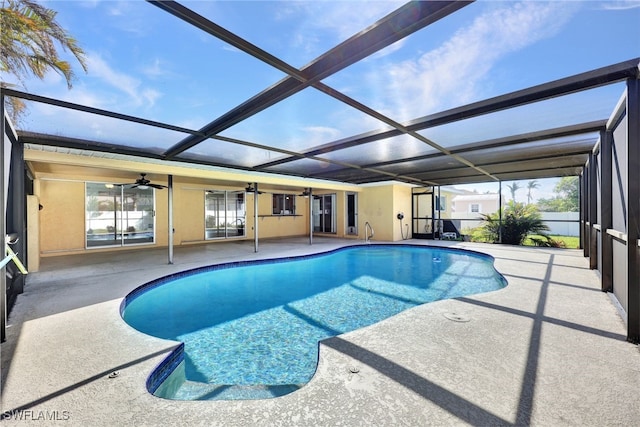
(514, 225)
(513, 188)
(29, 39)
(530, 186)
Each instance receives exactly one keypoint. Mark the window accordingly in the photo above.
(284, 204)
(224, 214)
(118, 216)
(474, 207)
(441, 203)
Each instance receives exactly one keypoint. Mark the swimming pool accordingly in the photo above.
(251, 329)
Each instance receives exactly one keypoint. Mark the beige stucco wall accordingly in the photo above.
(33, 233)
(270, 225)
(379, 205)
(62, 216)
(401, 203)
(188, 208)
(61, 223)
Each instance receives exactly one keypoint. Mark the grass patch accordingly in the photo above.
(569, 242)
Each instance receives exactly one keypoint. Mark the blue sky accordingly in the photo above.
(144, 62)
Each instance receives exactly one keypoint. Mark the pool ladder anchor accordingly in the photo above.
(368, 232)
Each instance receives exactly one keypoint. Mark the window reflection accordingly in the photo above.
(118, 216)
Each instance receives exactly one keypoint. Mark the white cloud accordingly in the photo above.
(339, 19)
(230, 48)
(158, 68)
(348, 18)
(321, 133)
(452, 74)
(621, 5)
(139, 96)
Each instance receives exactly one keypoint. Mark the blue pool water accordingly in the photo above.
(255, 326)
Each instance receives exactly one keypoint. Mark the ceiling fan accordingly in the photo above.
(143, 183)
(251, 189)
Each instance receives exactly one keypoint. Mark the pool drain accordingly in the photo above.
(457, 317)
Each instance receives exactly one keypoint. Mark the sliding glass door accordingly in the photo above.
(118, 216)
(324, 215)
(224, 214)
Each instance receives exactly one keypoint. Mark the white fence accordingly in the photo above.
(560, 223)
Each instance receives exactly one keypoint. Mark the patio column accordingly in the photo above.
(255, 217)
(606, 213)
(633, 209)
(584, 212)
(581, 214)
(439, 207)
(500, 211)
(593, 211)
(310, 216)
(170, 209)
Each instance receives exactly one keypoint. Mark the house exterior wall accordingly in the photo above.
(447, 212)
(33, 233)
(60, 226)
(376, 209)
(379, 205)
(487, 204)
(62, 220)
(62, 216)
(188, 214)
(270, 225)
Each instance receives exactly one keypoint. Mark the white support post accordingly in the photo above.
(170, 219)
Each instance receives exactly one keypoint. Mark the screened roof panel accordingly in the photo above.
(536, 174)
(257, 85)
(498, 168)
(145, 62)
(430, 164)
(215, 151)
(581, 107)
(66, 123)
(466, 56)
(545, 149)
(302, 121)
(296, 32)
(304, 167)
(384, 150)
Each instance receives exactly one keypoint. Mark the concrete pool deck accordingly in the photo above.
(548, 350)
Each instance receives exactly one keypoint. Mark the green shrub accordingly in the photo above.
(518, 221)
